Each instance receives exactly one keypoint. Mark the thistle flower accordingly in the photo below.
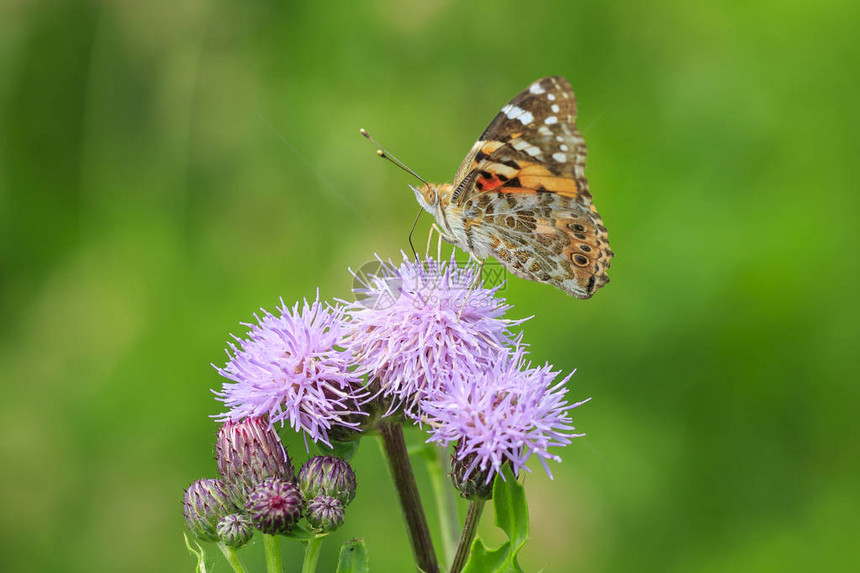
(504, 414)
(292, 368)
(325, 513)
(415, 321)
(275, 506)
(235, 530)
(206, 502)
(247, 452)
(327, 476)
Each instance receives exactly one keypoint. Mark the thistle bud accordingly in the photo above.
(248, 452)
(325, 513)
(274, 506)
(206, 502)
(235, 530)
(327, 476)
(471, 482)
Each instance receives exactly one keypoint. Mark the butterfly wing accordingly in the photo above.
(544, 237)
(523, 187)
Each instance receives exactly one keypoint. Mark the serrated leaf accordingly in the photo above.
(353, 557)
(198, 553)
(512, 517)
(512, 511)
(484, 560)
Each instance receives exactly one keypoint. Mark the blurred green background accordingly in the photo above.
(167, 168)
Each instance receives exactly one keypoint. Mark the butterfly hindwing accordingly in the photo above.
(544, 237)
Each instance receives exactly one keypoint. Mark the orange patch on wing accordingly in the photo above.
(484, 183)
(534, 176)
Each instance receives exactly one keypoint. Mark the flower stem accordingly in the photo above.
(232, 558)
(312, 555)
(407, 490)
(273, 554)
(446, 504)
(470, 527)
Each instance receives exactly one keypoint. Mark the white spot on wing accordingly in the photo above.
(523, 145)
(518, 113)
(563, 147)
(555, 108)
(550, 97)
(560, 157)
(536, 89)
(551, 120)
(520, 144)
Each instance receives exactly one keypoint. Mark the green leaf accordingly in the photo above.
(512, 517)
(512, 511)
(353, 557)
(342, 450)
(302, 533)
(198, 553)
(424, 450)
(483, 560)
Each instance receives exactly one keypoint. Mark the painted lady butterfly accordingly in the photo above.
(521, 195)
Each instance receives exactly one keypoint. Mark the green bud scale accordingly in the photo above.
(235, 530)
(474, 486)
(325, 513)
(206, 502)
(327, 476)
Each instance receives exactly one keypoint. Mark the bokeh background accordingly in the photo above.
(167, 168)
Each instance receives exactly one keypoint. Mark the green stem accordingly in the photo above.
(273, 554)
(446, 504)
(312, 555)
(410, 501)
(470, 527)
(232, 558)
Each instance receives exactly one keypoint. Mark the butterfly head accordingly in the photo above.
(432, 197)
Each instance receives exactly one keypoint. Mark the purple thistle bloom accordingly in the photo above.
(292, 368)
(415, 321)
(504, 414)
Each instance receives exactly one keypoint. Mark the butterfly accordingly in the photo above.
(521, 195)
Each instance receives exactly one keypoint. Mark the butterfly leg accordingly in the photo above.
(433, 228)
(479, 276)
(474, 284)
(439, 246)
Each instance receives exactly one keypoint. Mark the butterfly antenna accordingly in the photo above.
(386, 155)
(412, 231)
